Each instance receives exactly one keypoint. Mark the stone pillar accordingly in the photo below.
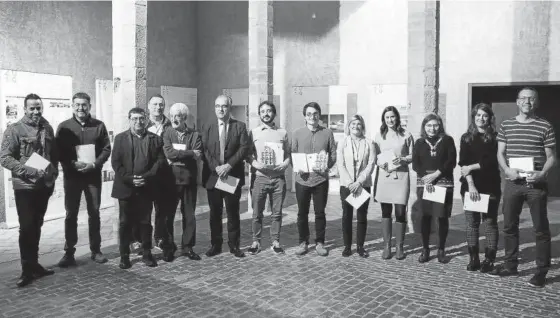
(260, 57)
(129, 59)
(423, 78)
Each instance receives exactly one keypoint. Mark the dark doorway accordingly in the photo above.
(502, 97)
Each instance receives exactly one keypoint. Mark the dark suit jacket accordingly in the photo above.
(183, 163)
(121, 160)
(237, 147)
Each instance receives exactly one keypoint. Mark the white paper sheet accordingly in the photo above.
(523, 163)
(299, 161)
(86, 153)
(311, 161)
(359, 200)
(478, 206)
(229, 184)
(37, 162)
(278, 151)
(437, 196)
(387, 157)
(180, 147)
(153, 129)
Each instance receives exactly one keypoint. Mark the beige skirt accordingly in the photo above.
(392, 188)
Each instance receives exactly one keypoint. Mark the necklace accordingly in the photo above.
(433, 147)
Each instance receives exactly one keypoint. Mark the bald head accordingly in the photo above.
(222, 106)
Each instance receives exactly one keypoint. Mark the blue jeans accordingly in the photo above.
(275, 189)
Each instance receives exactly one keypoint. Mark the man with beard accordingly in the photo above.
(225, 144)
(31, 135)
(82, 174)
(183, 148)
(265, 142)
(136, 159)
(157, 124)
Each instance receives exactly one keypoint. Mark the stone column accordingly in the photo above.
(129, 59)
(423, 78)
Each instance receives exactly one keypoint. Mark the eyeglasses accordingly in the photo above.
(312, 115)
(136, 119)
(530, 99)
(221, 106)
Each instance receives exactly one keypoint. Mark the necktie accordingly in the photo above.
(222, 142)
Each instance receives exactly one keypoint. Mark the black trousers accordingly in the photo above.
(162, 208)
(185, 195)
(73, 189)
(135, 211)
(216, 200)
(347, 216)
(304, 194)
(31, 206)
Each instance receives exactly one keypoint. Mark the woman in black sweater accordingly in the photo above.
(434, 157)
(480, 174)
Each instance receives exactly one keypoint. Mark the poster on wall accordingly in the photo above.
(104, 105)
(56, 93)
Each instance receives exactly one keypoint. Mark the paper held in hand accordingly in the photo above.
(523, 163)
(387, 157)
(85, 153)
(180, 147)
(437, 196)
(273, 154)
(228, 184)
(37, 162)
(478, 206)
(356, 201)
(307, 162)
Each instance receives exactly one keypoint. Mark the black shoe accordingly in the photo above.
(538, 280)
(488, 263)
(168, 256)
(98, 257)
(39, 271)
(424, 256)
(188, 252)
(474, 262)
(362, 252)
(125, 262)
(237, 252)
(24, 280)
(502, 271)
(441, 256)
(148, 259)
(67, 260)
(277, 249)
(214, 250)
(347, 251)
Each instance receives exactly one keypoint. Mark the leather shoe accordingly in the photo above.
(24, 280)
(424, 256)
(347, 251)
(190, 254)
(236, 252)
(441, 256)
(168, 256)
(362, 252)
(98, 258)
(40, 271)
(148, 259)
(213, 251)
(125, 262)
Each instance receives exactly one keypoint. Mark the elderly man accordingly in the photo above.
(137, 158)
(225, 144)
(84, 146)
(526, 136)
(183, 148)
(30, 137)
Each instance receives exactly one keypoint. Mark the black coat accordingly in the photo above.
(121, 160)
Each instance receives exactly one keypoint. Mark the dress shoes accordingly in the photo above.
(39, 271)
(188, 252)
(424, 256)
(148, 259)
(24, 280)
(213, 251)
(441, 256)
(67, 260)
(347, 251)
(125, 262)
(168, 256)
(236, 252)
(362, 252)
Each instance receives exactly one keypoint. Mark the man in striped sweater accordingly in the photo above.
(523, 136)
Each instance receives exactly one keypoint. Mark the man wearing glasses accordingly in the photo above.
(84, 146)
(225, 145)
(137, 159)
(317, 140)
(530, 137)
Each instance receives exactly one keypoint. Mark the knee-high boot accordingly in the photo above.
(399, 236)
(387, 234)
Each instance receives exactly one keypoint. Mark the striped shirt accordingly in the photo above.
(527, 139)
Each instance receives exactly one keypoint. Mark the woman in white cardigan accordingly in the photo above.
(355, 160)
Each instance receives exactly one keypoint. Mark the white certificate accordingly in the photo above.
(180, 147)
(523, 163)
(478, 206)
(357, 201)
(37, 162)
(387, 157)
(278, 151)
(299, 161)
(228, 184)
(437, 196)
(86, 153)
(153, 129)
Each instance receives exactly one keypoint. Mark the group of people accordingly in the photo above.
(156, 166)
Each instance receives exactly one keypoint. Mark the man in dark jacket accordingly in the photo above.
(84, 146)
(136, 159)
(183, 148)
(33, 186)
(226, 144)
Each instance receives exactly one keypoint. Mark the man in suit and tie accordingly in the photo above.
(136, 159)
(225, 145)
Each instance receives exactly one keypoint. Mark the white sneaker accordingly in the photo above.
(321, 250)
(255, 248)
(302, 249)
(276, 248)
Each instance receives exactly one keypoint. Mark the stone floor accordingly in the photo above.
(269, 285)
